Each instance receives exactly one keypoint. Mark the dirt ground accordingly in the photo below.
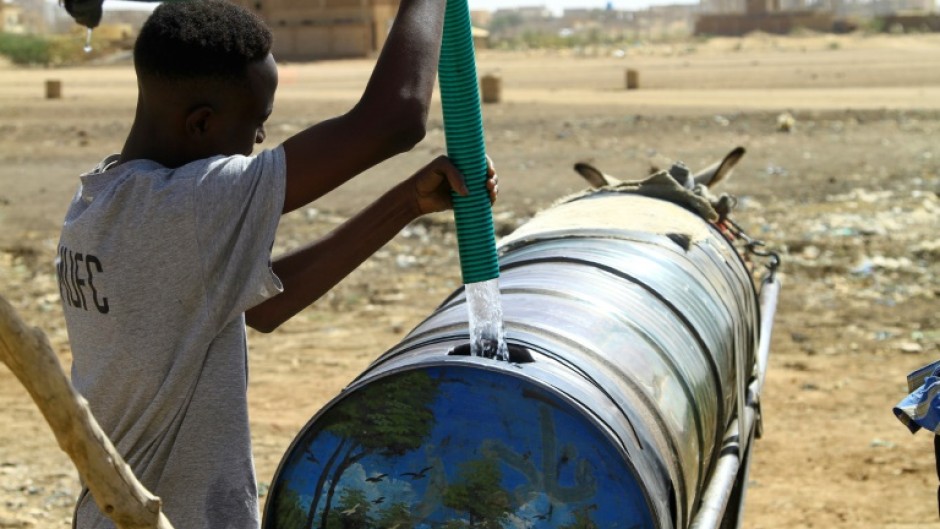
(849, 197)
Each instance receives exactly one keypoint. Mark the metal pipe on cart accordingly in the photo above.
(735, 442)
(769, 293)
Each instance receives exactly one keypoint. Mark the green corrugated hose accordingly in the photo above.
(463, 129)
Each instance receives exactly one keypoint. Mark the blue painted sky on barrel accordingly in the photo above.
(542, 443)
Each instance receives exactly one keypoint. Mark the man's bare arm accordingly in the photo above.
(313, 270)
(390, 118)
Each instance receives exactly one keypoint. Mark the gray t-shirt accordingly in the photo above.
(156, 268)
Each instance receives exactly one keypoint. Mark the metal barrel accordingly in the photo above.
(632, 327)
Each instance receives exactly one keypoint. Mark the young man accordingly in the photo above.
(165, 250)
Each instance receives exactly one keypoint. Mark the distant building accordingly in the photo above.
(481, 18)
(11, 18)
(527, 14)
(585, 14)
(722, 6)
(325, 29)
(481, 38)
(760, 15)
(781, 14)
(578, 13)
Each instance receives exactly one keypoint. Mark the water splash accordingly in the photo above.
(87, 47)
(486, 320)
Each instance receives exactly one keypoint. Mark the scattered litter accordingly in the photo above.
(405, 261)
(927, 250)
(932, 335)
(911, 348)
(865, 268)
(416, 231)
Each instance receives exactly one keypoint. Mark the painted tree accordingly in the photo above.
(388, 418)
(397, 516)
(478, 494)
(352, 511)
(288, 511)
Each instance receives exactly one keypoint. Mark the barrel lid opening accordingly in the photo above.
(518, 354)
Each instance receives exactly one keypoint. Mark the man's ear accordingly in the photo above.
(198, 121)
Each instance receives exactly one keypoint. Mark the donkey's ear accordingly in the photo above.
(711, 175)
(594, 176)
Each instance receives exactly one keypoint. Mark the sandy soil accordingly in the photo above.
(849, 197)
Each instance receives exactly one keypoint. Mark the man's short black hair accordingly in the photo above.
(196, 39)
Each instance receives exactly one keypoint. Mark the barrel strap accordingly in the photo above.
(753, 247)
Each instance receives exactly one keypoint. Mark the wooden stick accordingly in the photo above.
(116, 490)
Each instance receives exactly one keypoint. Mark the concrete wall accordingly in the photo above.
(912, 22)
(325, 29)
(322, 41)
(780, 23)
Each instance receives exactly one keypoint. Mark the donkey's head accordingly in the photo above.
(678, 185)
(708, 177)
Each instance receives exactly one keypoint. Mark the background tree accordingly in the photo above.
(478, 493)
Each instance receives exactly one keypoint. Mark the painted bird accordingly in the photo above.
(419, 474)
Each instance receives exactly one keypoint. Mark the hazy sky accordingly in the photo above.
(554, 5)
(558, 5)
